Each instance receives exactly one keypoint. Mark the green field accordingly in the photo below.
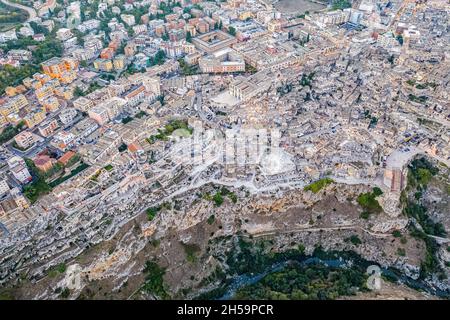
(11, 17)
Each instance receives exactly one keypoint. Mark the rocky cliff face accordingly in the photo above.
(187, 240)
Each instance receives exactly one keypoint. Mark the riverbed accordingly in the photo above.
(339, 262)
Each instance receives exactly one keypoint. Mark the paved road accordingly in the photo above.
(31, 12)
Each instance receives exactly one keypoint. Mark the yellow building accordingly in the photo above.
(44, 92)
(3, 121)
(13, 119)
(244, 15)
(33, 119)
(22, 202)
(68, 94)
(51, 104)
(274, 25)
(42, 78)
(10, 91)
(65, 93)
(119, 62)
(103, 65)
(7, 109)
(55, 67)
(13, 105)
(27, 82)
(36, 84)
(68, 77)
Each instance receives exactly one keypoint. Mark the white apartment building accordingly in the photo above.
(4, 188)
(19, 169)
(67, 115)
(83, 104)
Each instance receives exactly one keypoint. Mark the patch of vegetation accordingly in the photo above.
(353, 239)
(41, 51)
(155, 243)
(256, 257)
(6, 294)
(158, 59)
(365, 215)
(231, 195)
(122, 147)
(250, 69)
(420, 172)
(284, 89)
(187, 69)
(163, 134)
(72, 173)
(78, 92)
(141, 114)
(396, 233)
(418, 99)
(154, 280)
(96, 175)
(59, 269)
(306, 80)
(248, 257)
(10, 15)
(108, 167)
(218, 197)
(11, 131)
(296, 280)
(419, 212)
(377, 191)
(65, 293)
(151, 212)
(340, 4)
(191, 251)
(430, 264)
(92, 87)
(211, 219)
(311, 282)
(127, 119)
(39, 186)
(318, 185)
(369, 202)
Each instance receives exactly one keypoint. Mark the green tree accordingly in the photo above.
(218, 199)
(38, 28)
(78, 92)
(232, 31)
(154, 280)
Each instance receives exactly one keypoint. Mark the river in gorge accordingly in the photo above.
(395, 275)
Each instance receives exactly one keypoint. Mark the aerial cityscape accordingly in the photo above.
(224, 149)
